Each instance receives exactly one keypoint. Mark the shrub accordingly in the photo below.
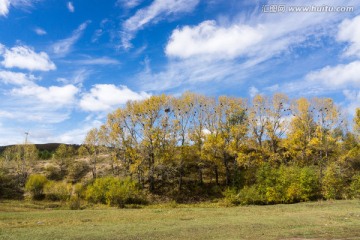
(74, 203)
(35, 186)
(79, 190)
(250, 195)
(113, 191)
(53, 173)
(231, 196)
(121, 192)
(9, 188)
(96, 192)
(308, 184)
(332, 182)
(355, 186)
(77, 170)
(57, 191)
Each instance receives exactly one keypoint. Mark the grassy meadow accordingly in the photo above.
(312, 220)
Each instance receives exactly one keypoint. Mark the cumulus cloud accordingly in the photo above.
(4, 7)
(25, 57)
(349, 31)
(64, 46)
(153, 13)
(60, 96)
(70, 7)
(210, 39)
(257, 37)
(104, 97)
(337, 76)
(16, 78)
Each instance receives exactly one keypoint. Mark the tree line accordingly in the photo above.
(267, 149)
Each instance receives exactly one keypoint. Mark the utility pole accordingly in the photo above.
(26, 137)
(23, 167)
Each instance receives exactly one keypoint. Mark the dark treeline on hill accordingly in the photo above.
(50, 147)
(260, 151)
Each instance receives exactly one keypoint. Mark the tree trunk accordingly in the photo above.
(180, 177)
(200, 175)
(216, 175)
(227, 170)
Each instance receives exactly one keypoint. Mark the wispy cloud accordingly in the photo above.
(353, 99)
(64, 46)
(98, 61)
(78, 77)
(40, 31)
(231, 49)
(70, 7)
(4, 7)
(25, 57)
(6, 4)
(158, 10)
(128, 3)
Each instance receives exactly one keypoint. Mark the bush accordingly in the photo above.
(231, 196)
(77, 170)
(53, 173)
(250, 195)
(355, 186)
(57, 191)
(121, 192)
(35, 186)
(96, 192)
(286, 184)
(308, 184)
(75, 203)
(113, 191)
(332, 182)
(9, 187)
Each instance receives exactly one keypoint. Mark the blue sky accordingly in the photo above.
(65, 64)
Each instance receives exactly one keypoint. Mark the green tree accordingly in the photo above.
(35, 186)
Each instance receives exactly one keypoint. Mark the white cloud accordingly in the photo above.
(209, 39)
(153, 13)
(104, 97)
(4, 7)
(253, 91)
(99, 61)
(64, 46)
(338, 76)
(25, 57)
(353, 100)
(70, 7)
(128, 3)
(188, 73)
(349, 31)
(40, 31)
(232, 49)
(256, 37)
(6, 4)
(59, 96)
(16, 78)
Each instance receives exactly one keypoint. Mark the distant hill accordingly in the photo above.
(42, 147)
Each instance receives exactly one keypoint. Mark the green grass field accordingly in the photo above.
(317, 220)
